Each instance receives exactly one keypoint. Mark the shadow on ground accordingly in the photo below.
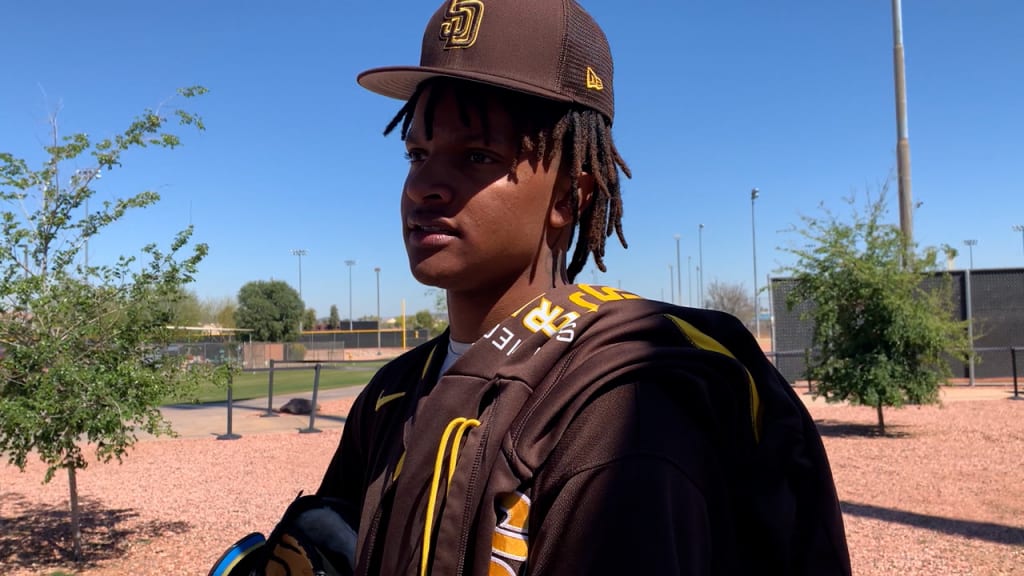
(38, 537)
(836, 429)
(998, 533)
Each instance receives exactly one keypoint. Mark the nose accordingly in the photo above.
(428, 182)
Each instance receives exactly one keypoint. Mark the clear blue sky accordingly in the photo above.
(713, 99)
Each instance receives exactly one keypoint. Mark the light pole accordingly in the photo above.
(679, 273)
(300, 252)
(689, 277)
(700, 263)
(970, 250)
(1020, 228)
(902, 134)
(753, 235)
(350, 264)
(970, 309)
(671, 284)
(377, 271)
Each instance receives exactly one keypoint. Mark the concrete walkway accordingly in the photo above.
(249, 416)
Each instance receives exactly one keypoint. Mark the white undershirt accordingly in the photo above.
(455, 351)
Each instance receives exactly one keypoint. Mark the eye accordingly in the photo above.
(414, 155)
(480, 157)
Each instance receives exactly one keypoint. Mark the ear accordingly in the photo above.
(562, 213)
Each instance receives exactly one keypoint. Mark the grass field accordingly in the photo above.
(248, 385)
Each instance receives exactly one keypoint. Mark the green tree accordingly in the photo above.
(423, 320)
(440, 298)
(271, 309)
(186, 309)
(884, 326)
(82, 367)
(219, 311)
(309, 319)
(334, 321)
(731, 298)
(440, 308)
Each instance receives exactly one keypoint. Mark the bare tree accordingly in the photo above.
(734, 299)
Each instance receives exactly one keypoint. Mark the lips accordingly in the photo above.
(432, 232)
(435, 230)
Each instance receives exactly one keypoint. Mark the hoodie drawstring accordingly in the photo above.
(462, 425)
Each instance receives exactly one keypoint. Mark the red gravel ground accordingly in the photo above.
(941, 494)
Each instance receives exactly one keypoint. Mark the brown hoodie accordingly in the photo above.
(593, 432)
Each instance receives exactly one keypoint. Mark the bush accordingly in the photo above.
(294, 352)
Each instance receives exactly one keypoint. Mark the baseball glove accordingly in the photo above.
(313, 538)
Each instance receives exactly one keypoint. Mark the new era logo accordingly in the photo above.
(594, 81)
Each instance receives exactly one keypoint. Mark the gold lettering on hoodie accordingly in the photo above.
(511, 543)
(548, 318)
(602, 294)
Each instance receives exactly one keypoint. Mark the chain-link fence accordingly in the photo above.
(322, 346)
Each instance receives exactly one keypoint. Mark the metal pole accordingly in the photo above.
(679, 272)
(377, 270)
(313, 407)
(970, 327)
(753, 236)
(771, 317)
(700, 264)
(902, 136)
(970, 250)
(1013, 363)
(1020, 228)
(689, 278)
(350, 264)
(671, 284)
(300, 252)
(229, 435)
(270, 392)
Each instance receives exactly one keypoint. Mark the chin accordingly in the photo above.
(429, 274)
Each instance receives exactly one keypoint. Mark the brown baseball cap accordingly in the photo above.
(548, 48)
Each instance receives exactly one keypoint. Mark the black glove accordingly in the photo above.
(314, 538)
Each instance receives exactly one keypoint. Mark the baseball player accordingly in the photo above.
(557, 428)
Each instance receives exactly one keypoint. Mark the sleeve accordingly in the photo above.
(638, 515)
(632, 488)
(344, 478)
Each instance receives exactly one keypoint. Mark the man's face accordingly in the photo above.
(468, 225)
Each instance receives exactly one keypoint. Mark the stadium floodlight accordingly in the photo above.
(300, 252)
(350, 264)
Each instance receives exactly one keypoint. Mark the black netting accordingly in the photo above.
(997, 307)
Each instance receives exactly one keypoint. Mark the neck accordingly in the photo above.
(473, 314)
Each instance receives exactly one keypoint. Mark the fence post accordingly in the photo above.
(1013, 363)
(312, 410)
(229, 435)
(807, 373)
(270, 393)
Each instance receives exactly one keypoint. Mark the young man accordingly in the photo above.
(559, 428)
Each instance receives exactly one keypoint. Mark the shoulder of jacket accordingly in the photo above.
(393, 380)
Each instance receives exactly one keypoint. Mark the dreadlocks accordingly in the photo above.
(581, 136)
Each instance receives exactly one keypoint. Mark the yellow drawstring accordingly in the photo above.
(463, 424)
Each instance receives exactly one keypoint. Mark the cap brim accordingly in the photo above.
(401, 81)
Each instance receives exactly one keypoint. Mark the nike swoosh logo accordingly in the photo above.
(385, 399)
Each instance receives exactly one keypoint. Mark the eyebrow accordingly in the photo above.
(465, 138)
